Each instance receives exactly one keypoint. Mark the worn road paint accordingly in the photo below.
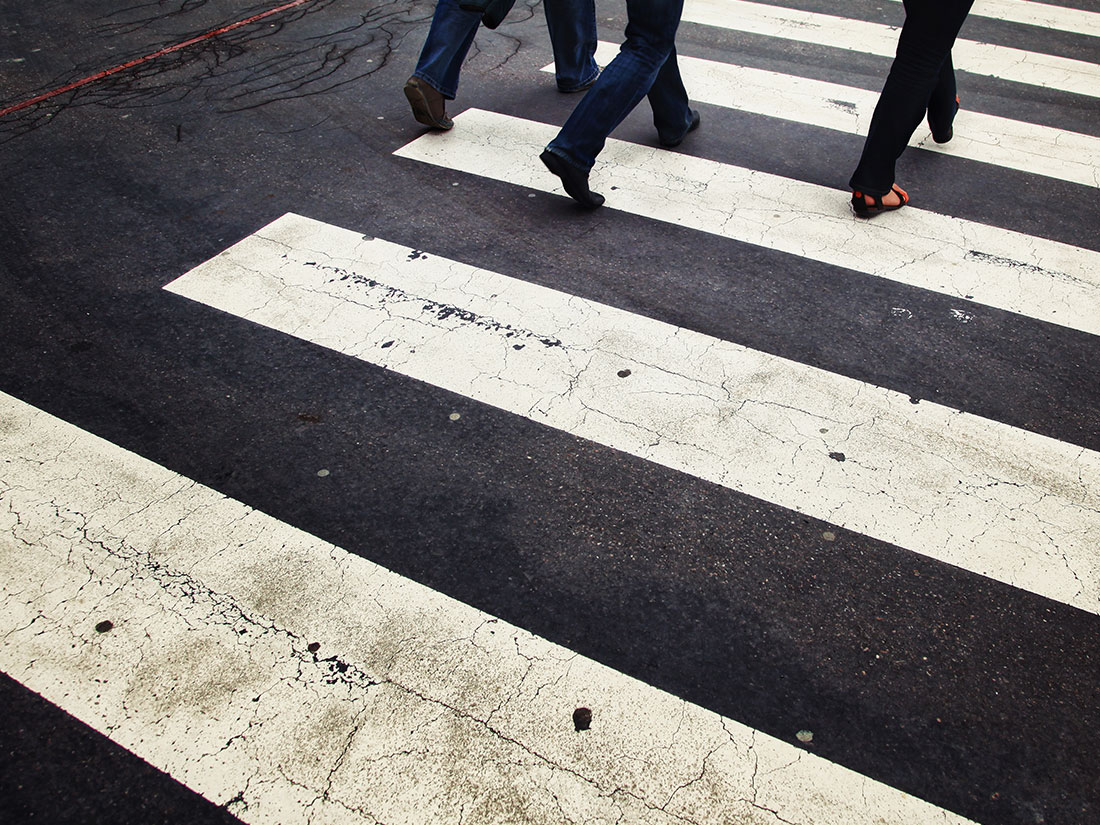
(1017, 507)
(1050, 281)
(1036, 69)
(999, 141)
(292, 682)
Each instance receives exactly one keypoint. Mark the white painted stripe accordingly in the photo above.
(1076, 76)
(993, 499)
(1044, 15)
(1013, 144)
(414, 709)
(1043, 279)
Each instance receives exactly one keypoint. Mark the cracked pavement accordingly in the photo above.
(1013, 506)
(243, 659)
(878, 654)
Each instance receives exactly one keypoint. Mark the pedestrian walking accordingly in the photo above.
(572, 27)
(921, 81)
(645, 66)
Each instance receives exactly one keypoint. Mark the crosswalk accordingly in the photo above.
(1033, 13)
(993, 60)
(1050, 281)
(315, 690)
(918, 582)
(1013, 144)
(1004, 503)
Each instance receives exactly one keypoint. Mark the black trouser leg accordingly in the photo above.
(922, 74)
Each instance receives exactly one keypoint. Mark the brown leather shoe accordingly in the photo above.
(428, 105)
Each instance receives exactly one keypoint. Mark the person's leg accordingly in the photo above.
(435, 79)
(572, 27)
(925, 43)
(650, 38)
(669, 100)
(943, 103)
(446, 46)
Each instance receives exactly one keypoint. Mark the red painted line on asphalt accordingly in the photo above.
(76, 84)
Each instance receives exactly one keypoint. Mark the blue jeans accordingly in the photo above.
(921, 78)
(572, 26)
(645, 66)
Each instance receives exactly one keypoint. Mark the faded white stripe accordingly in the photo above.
(1044, 15)
(415, 708)
(1033, 68)
(1043, 279)
(993, 499)
(1012, 144)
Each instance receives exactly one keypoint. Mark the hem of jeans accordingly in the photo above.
(431, 81)
(584, 84)
(553, 150)
(679, 138)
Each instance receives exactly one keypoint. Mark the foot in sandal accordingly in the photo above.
(866, 206)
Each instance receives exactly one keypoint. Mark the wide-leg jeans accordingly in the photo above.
(645, 66)
(572, 27)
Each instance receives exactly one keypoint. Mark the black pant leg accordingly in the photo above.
(923, 55)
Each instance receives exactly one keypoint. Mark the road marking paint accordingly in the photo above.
(292, 682)
(1017, 507)
(1013, 144)
(1043, 279)
(1036, 69)
(1044, 15)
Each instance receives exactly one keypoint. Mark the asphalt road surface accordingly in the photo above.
(351, 473)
